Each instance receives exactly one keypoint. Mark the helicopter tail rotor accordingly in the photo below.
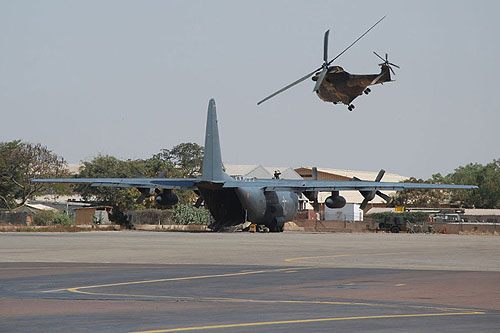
(386, 62)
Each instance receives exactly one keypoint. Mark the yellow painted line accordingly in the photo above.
(303, 321)
(175, 279)
(75, 290)
(244, 300)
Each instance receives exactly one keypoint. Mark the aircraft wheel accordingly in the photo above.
(395, 230)
(350, 107)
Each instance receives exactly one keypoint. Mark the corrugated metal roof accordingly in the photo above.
(363, 175)
(259, 171)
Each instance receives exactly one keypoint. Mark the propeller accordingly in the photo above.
(200, 199)
(149, 191)
(324, 67)
(313, 195)
(370, 195)
(386, 62)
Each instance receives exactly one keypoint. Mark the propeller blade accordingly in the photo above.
(364, 203)
(198, 202)
(141, 198)
(384, 196)
(394, 65)
(320, 79)
(392, 70)
(314, 173)
(386, 58)
(380, 175)
(378, 56)
(347, 48)
(325, 46)
(290, 85)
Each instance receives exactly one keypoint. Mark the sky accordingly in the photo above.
(129, 78)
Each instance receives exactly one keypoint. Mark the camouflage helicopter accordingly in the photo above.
(335, 85)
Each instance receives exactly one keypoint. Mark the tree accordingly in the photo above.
(421, 197)
(186, 157)
(20, 162)
(486, 177)
(187, 161)
(121, 199)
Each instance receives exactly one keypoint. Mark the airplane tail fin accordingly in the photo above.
(212, 161)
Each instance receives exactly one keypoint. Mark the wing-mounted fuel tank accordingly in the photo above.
(272, 208)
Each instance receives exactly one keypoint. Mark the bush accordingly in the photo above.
(187, 214)
(44, 217)
(50, 217)
(61, 218)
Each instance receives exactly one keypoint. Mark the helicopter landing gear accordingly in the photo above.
(367, 91)
(335, 103)
(351, 107)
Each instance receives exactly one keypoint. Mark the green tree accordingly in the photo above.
(486, 177)
(420, 197)
(185, 157)
(20, 162)
(121, 199)
(186, 160)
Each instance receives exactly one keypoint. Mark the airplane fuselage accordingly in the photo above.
(237, 205)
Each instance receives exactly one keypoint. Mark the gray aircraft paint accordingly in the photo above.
(212, 160)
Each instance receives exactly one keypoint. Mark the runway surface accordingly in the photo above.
(343, 282)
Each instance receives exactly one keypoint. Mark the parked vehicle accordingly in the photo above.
(393, 224)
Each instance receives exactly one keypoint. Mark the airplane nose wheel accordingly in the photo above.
(367, 91)
(351, 107)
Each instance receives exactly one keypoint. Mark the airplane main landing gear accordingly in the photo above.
(351, 107)
(367, 91)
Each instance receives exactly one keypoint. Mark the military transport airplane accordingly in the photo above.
(231, 201)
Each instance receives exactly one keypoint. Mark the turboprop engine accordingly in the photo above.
(166, 198)
(335, 200)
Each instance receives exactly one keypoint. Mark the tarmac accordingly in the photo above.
(129, 281)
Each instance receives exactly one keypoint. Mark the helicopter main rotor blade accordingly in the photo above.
(289, 86)
(320, 79)
(325, 47)
(347, 48)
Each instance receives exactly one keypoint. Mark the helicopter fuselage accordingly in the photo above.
(340, 86)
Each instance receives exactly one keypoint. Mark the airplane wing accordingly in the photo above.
(163, 183)
(325, 186)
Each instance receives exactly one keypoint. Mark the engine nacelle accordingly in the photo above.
(167, 198)
(337, 201)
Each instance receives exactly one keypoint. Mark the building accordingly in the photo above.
(92, 215)
(346, 175)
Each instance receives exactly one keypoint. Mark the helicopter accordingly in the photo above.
(334, 84)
